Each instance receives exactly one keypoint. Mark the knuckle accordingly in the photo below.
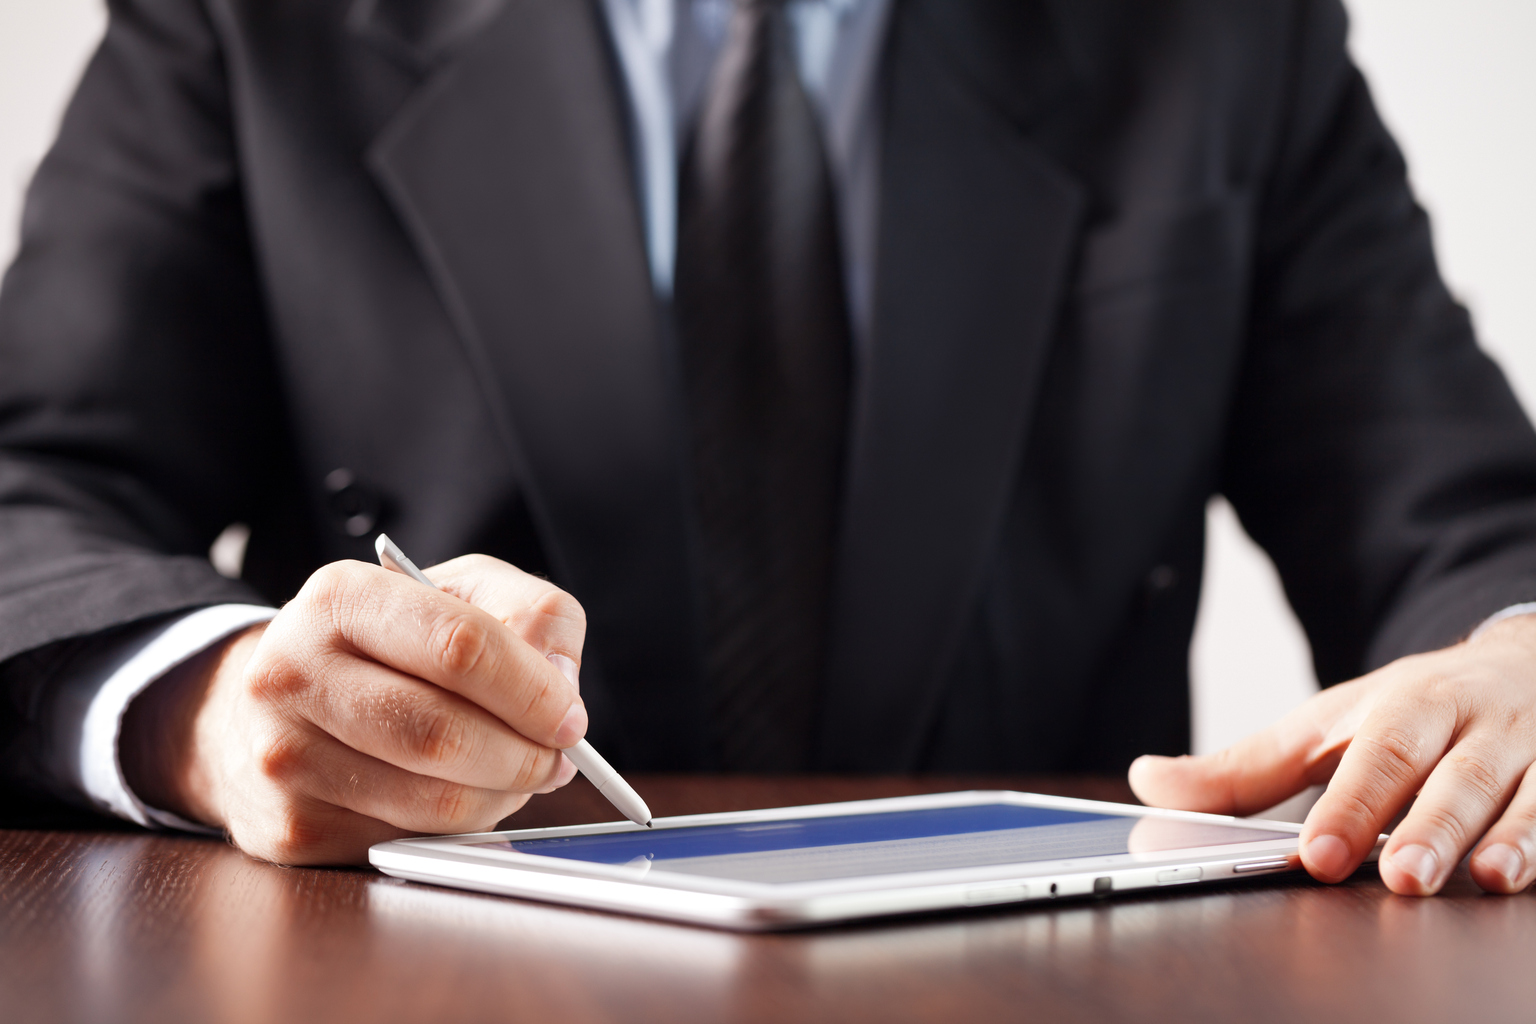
(1445, 821)
(292, 836)
(536, 692)
(280, 759)
(452, 808)
(530, 769)
(284, 676)
(557, 604)
(1479, 774)
(440, 737)
(333, 597)
(327, 585)
(471, 577)
(459, 643)
(1354, 807)
(286, 685)
(273, 679)
(1443, 690)
(283, 835)
(477, 563)
(1395, 753)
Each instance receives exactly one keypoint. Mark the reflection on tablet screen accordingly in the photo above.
(857, 845)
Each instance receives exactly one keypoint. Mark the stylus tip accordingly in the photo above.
(647, 824)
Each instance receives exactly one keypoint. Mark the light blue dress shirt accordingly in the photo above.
(667, 50)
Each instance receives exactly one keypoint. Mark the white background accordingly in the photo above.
(1456, 79)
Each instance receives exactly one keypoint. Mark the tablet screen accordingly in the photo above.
(895, 842)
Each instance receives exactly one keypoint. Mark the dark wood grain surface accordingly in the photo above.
(103, 926)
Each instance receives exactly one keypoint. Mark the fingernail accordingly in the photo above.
(1418, 862)
(572, 727)
(1328, 855)
(1503, 859)
(568, 668)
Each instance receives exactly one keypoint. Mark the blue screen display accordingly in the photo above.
(798, 833)
(854, 845)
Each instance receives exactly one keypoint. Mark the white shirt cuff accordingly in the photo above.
(127, 672)
(1529, 608)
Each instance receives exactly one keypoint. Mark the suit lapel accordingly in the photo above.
(977, 232)
(510, 170)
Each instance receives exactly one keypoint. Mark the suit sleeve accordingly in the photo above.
(1375, 452)
(139, 407)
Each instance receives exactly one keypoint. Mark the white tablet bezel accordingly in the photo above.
(754, 906)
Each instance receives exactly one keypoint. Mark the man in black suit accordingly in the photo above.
(326, 266)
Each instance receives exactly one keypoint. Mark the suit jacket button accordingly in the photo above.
(1162, 579)
(355, 507)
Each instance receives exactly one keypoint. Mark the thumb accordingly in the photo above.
(1300, 750)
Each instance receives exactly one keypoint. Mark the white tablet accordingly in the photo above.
(798, 866)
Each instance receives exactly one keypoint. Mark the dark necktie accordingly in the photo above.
(764, 334)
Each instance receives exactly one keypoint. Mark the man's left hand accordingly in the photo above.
(1456, 727)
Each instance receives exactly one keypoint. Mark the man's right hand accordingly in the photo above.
(370, 708)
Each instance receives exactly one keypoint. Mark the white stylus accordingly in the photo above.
(587, 760)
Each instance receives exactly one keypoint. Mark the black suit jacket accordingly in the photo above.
(1131, 254)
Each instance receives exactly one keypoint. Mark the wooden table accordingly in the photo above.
(103, 926)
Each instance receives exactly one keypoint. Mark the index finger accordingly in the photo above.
(447, 641)
(1387, 762)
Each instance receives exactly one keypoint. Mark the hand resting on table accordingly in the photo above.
(1457, 727)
